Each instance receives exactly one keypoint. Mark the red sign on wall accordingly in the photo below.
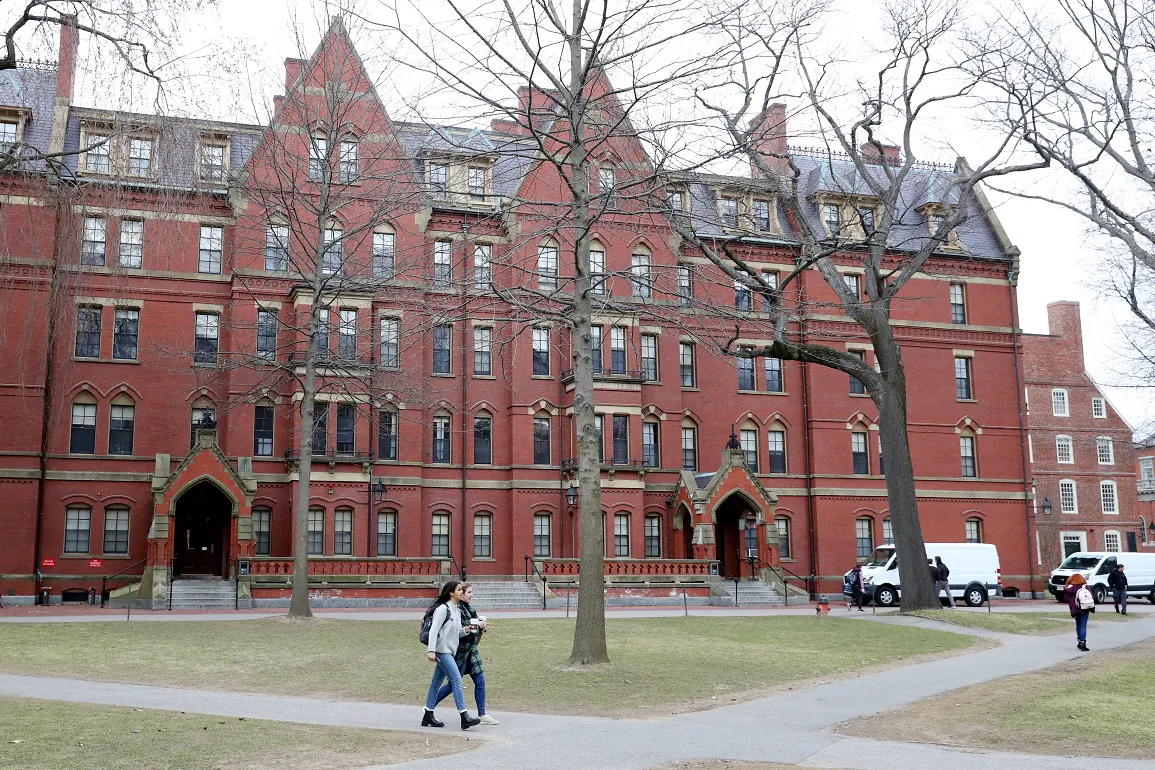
(95, 562)
(48, 562)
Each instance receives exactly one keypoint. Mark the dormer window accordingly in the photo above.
(8, 133)
(438, 179)
(832, 218)
(935, 217)
(866, 219)
(213, 152)
(96, 159)
(730, 212)
(140, 156)
(761, 210)
(476, 182)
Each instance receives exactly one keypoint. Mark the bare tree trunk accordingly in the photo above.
(299, 603)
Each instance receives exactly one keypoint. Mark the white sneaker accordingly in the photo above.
(486, 719)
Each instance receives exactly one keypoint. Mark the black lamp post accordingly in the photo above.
(380, 491)
(571, 495)
(1047, 506)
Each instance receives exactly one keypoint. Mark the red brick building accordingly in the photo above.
(1145, 473)
(1081, 449)
(128, 281)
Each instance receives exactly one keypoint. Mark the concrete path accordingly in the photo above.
(790, 727)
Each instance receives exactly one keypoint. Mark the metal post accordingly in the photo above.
(568, 593)
(686, 603)
(737, 580)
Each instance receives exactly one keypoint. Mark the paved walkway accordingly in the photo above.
(790, 727)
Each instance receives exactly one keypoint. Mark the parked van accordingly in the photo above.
(1097, 565)
(974, 572)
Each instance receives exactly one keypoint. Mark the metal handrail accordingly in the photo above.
(460, 569)
(609, 374)
(360, 454)
(171, 567)
(782, 573)
(236, 584)
(531, 565)
(104, 581)
(571, 463)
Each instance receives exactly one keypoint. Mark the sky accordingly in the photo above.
(235, 60)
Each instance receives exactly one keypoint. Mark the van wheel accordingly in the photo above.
(974, 596)
(885, 596)
(1151, 597)
(1100, 594)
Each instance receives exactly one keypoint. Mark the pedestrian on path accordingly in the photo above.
(942, 583)
(468, 657)
(856, 588)
(444, 637)
(1082, 604)
(1118, 582)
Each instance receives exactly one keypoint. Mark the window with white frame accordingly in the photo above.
(782, 524)
(211, 249)
(93, 241)
(1068, 497)
(887, 532)
(547, 267)
(1109, 496)
(776, 445)
(347, 334)
(686, 364)
(482, 536)
(212, 162)
(1147, 468)
(318, 156)
(685, 285)
(597, 269)
(649, 357)
(1059, 407)
(969, 459)
(262, 531)
(1099, 407)
(207, 336)
(116, 530)
(347, 160)
(475, 179)
(730, 211)
(442, 264)
(482, 350)
(333, 255)
(131, 243)
(640, 274)
(96, 157)
(482, 269)
(761, 213)
(440, 543)
(542, 538)
(438, 179)
(82, 438)
(387, 533)
(831, 218)
(1112, 542)
(384, 255)
(125, 333)
(390, 343)
(650, 442)
(618, 349)
(1105, 449)
(689, 448)
(77, 528)
(621, 535)
(540, 352)
(608, 186)
(1064, 449)
(316, 532)
(958, 303)
(749, 440)
(140, 156)
(864, 536)
(653, 537)
(343, 532)
(276, 246)
(773, 367)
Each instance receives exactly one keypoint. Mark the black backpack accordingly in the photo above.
(427, 623)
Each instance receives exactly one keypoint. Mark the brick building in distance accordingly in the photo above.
(1081, 449)
(137, 278)
(1145, 473)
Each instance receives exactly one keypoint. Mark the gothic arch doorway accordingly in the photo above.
(730, 534)
(201, 528)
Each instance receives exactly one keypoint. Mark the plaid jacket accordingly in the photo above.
(468, 657)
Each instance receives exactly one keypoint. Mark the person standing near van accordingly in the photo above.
(941, 582)
(444, 636)
(1118, 582)
(856, 587)
(1082, 604)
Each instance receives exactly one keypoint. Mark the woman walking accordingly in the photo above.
(444, 637)
(1082, 604)
(468, 657)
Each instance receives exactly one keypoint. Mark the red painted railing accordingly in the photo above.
(273, 566)
(630, 566)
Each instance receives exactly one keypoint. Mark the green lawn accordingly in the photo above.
(1014, 622)
(49, 735)
(1095, 705)
(658, 664)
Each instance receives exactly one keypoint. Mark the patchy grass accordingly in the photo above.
(1094, 705)
(46, 735)
(1036, 623)
(659, 665)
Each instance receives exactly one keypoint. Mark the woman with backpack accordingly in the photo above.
(445, 633)
(468, 657)
(1082, 604)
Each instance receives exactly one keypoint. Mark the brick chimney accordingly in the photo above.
(1065, 320)
(66, 58)
(293, 68)
(768, 139)
(891, 155)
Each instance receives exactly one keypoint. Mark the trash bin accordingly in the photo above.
(45, 594)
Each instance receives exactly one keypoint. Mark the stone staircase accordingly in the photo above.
(203, 593)
(505, 595)
(750, 593)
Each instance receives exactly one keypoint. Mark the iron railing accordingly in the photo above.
(531, 566)
(104, 581)
(626, 375)
(171, 568)
(571, 464)
(348, 455)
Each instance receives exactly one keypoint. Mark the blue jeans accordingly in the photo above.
(1120, 596)
(1081, 625)
(478, 691)
(446, 669)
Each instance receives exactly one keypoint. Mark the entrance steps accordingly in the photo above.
(749, 593)
(203, 593)
(505, 595)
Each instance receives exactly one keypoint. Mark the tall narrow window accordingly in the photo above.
(599, 424)
(1109, 496)
(649, 357)
(864, 537)
(782, 524)
(212, 162)
(140, 157)
(540, 352)
(650, 444)
(770, 278)
(974, 530)
(320, 436)
(1059, 406)
(958, 303)
(441, 446)
(853, 282)
(82, 438)
(743, 298)
(967, 452)
(881, 459)
(482, 269)
(125, 332)
(203, 418)
(96, 156)
(685, 285)
(541, 441)
(653, 537)
(866, 219)
(483, 440)
(346, 429)
(318, 156)
(1064, 450)
(88, 332)
(761, 212)
(482, 350)
(207, 333)
(1105, 450)
(77, 529)
(482, 536)
(640, 275)
(440, 543)
(387, 534)
(390, 339)
(618, 349)
(347, 334)
(749, 441)
(347, 168)
(621, 535)
(475, 179)
(596, 348)
(887, 532)
(93, 242)
(262, 531)
(686, 364)
(745, 373)
(859, 453)
(1068, 497)
(547, 267)
(689, 449)
(316, 533)
(621, 439)
(331, 258)
(441, 342)
(442, 264)
(856, 386)
(776, 445)
(774, 375)
(542, 539)
(121, 421)
(387, 435)
(322, 333)
(730, 212)
(131, 243)
(831, 218)
(597, 270)
(438, 179)
(263, 431)
(343, 532)
(267, 335)
(276, 246)
(607, 185)
(962, 378)
(211, 249)
(384, 256)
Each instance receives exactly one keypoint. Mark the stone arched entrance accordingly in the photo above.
(201, 530)
(730, 534)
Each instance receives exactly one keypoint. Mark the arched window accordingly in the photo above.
(334, 239)
(263, 428)
(864, 536)
(347, 161)
(547, 253)
(974, 530)
(441, 439)
(121, 420)
(689, 445)
(887, 532)
(968, 452)
(387, 533)
(542, 535)
(640, 272)
(204, 417)
(748, 438)
(82, 439)
(116, 530)
(77, 528)
(483, 536)
(276, 244)
(653, 537)
(597, 268)
(621, 535)
(782, 524)
(262, 531)
(651, 441)
(318, 155)
(440, 543)
(542, 425)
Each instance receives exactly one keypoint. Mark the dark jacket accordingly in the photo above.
(1117, 579)
(943, 572)
(856, 579)
(1069, 593)
(933, 573)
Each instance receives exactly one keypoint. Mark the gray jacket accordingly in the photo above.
(446, 630)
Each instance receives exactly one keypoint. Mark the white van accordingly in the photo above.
(974, 572)
(1097, 565)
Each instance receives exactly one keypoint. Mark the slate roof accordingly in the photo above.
(33, 89)
(513, 155)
